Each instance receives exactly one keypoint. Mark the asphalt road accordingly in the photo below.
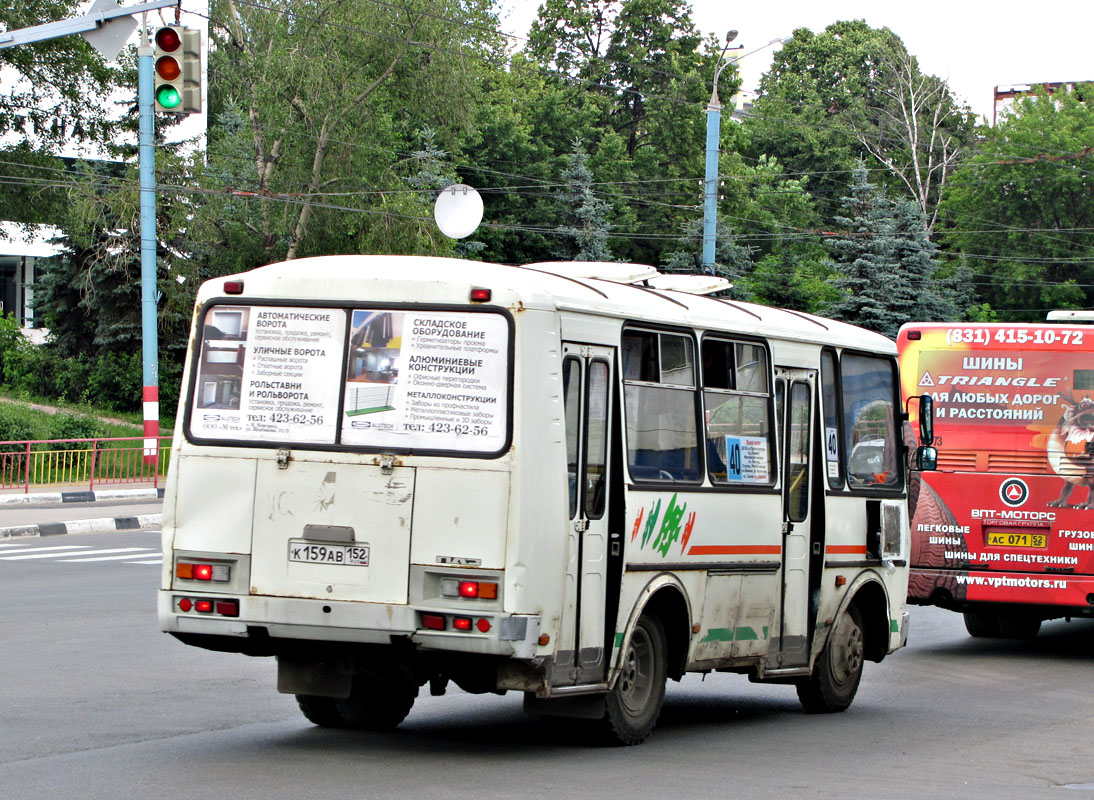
(95, 702)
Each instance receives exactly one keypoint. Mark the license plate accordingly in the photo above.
(345, 555)
(1002, 539)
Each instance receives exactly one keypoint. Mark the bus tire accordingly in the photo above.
(377, 705)
(633, 705)
(321, 711)
(983, 624)
(1019, 625)
(836, 675)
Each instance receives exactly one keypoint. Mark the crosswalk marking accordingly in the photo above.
(51, 549)
(101, 558)
(152, 561)
(64, 551)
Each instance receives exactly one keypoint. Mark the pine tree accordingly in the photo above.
(588, 214)
(885, 265)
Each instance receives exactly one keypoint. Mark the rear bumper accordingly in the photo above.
(957, 589)
(292, 618)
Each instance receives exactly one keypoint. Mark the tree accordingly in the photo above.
(308, 77)
(885, 263)
(49, 105)
(639, 73)
(588, 224)
(917, 130)
(853, 92)
(1021, 212)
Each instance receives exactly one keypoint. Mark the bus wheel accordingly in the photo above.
(321, 711)
(983, 624)
(1018, 626)
(377, 705)
(633, 706)
(836, 674)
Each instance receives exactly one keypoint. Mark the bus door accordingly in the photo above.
(587, 381)
(795, 392)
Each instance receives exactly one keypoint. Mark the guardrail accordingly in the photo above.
(96, 462)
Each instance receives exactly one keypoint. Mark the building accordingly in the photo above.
(1005, 96)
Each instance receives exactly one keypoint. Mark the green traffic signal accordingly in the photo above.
(168, 96)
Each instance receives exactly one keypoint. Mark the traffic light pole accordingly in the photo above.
(106, 27)
(150, 393)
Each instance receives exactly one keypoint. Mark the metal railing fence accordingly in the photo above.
(96, 462)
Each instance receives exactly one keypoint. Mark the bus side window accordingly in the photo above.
(737, 412)
(571, 385)
(660, 404)
(830, 410)
(870, 436)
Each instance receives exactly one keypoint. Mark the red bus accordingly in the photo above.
(1003, 531)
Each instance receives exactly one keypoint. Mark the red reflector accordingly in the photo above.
(185, 604)
(233, 287)
(203, 572)
(461, 623)
(228, 608)
(205, 606)
(469, 589)
(480, 295)
(434, 622)
(483, 625)
(914, 336)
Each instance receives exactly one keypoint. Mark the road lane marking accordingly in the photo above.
(51, 549)
(102, 558)
(66, 554)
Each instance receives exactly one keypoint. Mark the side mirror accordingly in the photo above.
(926, 419)
(926, 458)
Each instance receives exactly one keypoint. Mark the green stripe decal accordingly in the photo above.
(718, 635)
(733, 634)
(894, 626)
(619, 640)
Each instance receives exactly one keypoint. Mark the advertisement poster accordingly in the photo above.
(426, 380)
(1013, 499)
(265, 374)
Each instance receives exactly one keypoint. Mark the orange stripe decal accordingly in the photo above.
(735, 550)
(848, 549)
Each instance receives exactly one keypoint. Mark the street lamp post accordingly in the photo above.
(714, 127)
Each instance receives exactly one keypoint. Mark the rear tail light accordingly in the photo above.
(190, 571)
(434, 622)
(461, 623)
(233, 287)
(208, 605)
(484, 590)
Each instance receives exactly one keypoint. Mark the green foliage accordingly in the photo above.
(21, 423)
(885, 264)
(585, 237)
(1022, 210)
(49, 103)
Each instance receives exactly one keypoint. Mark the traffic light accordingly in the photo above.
(177, 64)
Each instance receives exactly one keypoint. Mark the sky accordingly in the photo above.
(975, 46)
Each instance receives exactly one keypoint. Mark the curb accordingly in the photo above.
(80, 497)
(104, 525)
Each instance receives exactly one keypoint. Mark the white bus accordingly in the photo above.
(554, 479)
